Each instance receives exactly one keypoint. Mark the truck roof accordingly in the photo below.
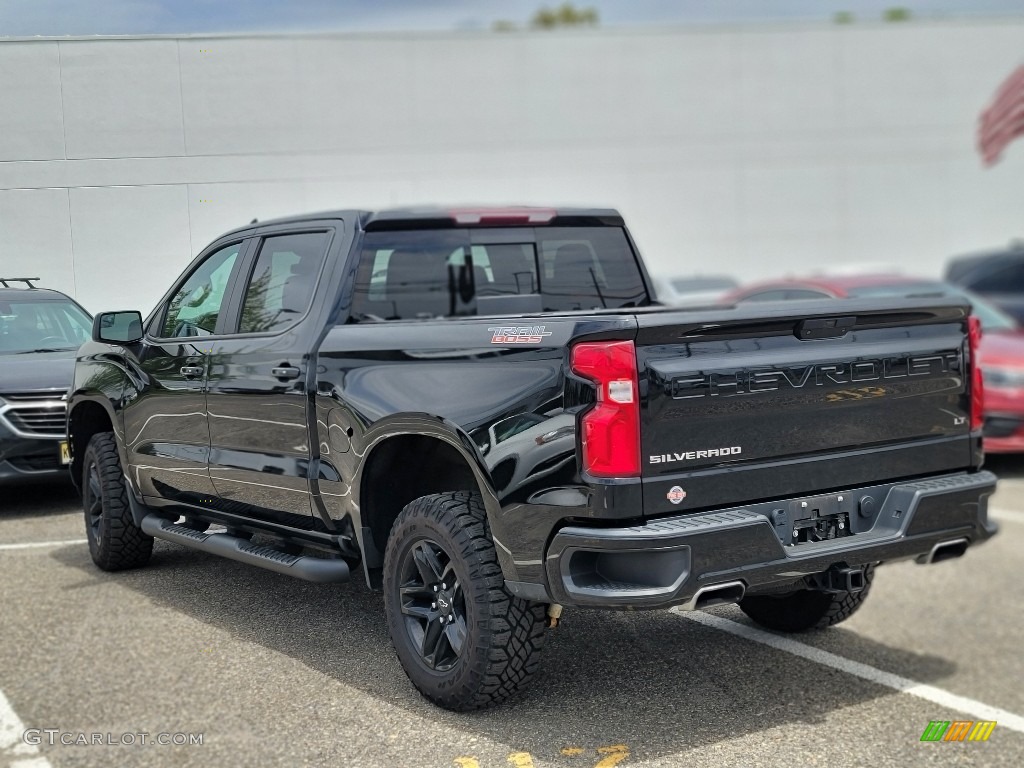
(439, 217)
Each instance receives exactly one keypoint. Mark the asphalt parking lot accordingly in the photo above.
(269, 670)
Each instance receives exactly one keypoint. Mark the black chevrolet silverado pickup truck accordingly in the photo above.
(487, 411)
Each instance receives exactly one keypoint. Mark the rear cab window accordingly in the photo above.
(436, 273)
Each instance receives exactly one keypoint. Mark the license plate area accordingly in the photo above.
(818, 518)
(65, 453)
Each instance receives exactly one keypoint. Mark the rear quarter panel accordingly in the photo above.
(509, 408)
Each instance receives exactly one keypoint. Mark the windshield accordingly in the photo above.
(42, 326)
(991, 317)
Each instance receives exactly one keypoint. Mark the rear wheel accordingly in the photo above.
(115, 542)
(806, 609)
(464, 641)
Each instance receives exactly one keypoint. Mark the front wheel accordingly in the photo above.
(115, 542)
(806, 609)
(464, 641)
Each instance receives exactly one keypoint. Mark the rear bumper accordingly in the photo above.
(672, 561)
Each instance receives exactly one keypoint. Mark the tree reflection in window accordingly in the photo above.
(282, 283)
(196, 305)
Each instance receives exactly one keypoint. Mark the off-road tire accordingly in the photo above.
(806, 609)
(115, 542)
(503, 634)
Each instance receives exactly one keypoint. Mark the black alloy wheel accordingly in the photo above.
(462, 638)
(433, 604)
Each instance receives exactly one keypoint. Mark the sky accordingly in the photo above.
(23, 18)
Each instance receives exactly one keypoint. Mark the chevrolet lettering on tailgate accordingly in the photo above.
(753, 380)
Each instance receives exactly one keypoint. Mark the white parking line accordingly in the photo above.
(1010, 515)
(12, 744)
(979, 710)
(37, 544)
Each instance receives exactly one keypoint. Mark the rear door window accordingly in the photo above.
(280, 288)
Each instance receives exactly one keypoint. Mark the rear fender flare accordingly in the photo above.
(446, 431)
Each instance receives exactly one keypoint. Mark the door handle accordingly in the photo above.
(285, 372)
(191, 371)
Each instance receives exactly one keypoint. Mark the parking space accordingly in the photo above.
(271, 670)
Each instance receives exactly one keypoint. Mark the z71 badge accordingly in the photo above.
(513, 334)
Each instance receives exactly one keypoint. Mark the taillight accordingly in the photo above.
(611, 429)
(977, 384)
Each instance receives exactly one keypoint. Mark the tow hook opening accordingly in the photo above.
(841, 578)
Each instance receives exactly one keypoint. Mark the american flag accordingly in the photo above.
(1003, 121)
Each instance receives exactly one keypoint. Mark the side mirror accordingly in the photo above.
(117, 327)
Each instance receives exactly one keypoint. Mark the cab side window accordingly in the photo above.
(195, 307)
(281, 286)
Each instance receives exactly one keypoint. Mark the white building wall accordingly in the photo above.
(755, 151)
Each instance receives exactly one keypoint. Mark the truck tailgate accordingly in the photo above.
(772, 400)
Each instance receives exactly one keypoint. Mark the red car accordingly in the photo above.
(1002, 343)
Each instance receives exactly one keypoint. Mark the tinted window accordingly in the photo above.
(27, 326)
(588, 268)
(1007, 280)
(196, 305)
(414, 275)
(281, 286)
(441, 273)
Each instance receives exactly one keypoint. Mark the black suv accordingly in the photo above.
(40, 330)
(996, 275)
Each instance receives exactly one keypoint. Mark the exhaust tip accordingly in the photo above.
(717, 594)
(944, 550)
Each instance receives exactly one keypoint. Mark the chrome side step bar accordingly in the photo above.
(234, 548)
